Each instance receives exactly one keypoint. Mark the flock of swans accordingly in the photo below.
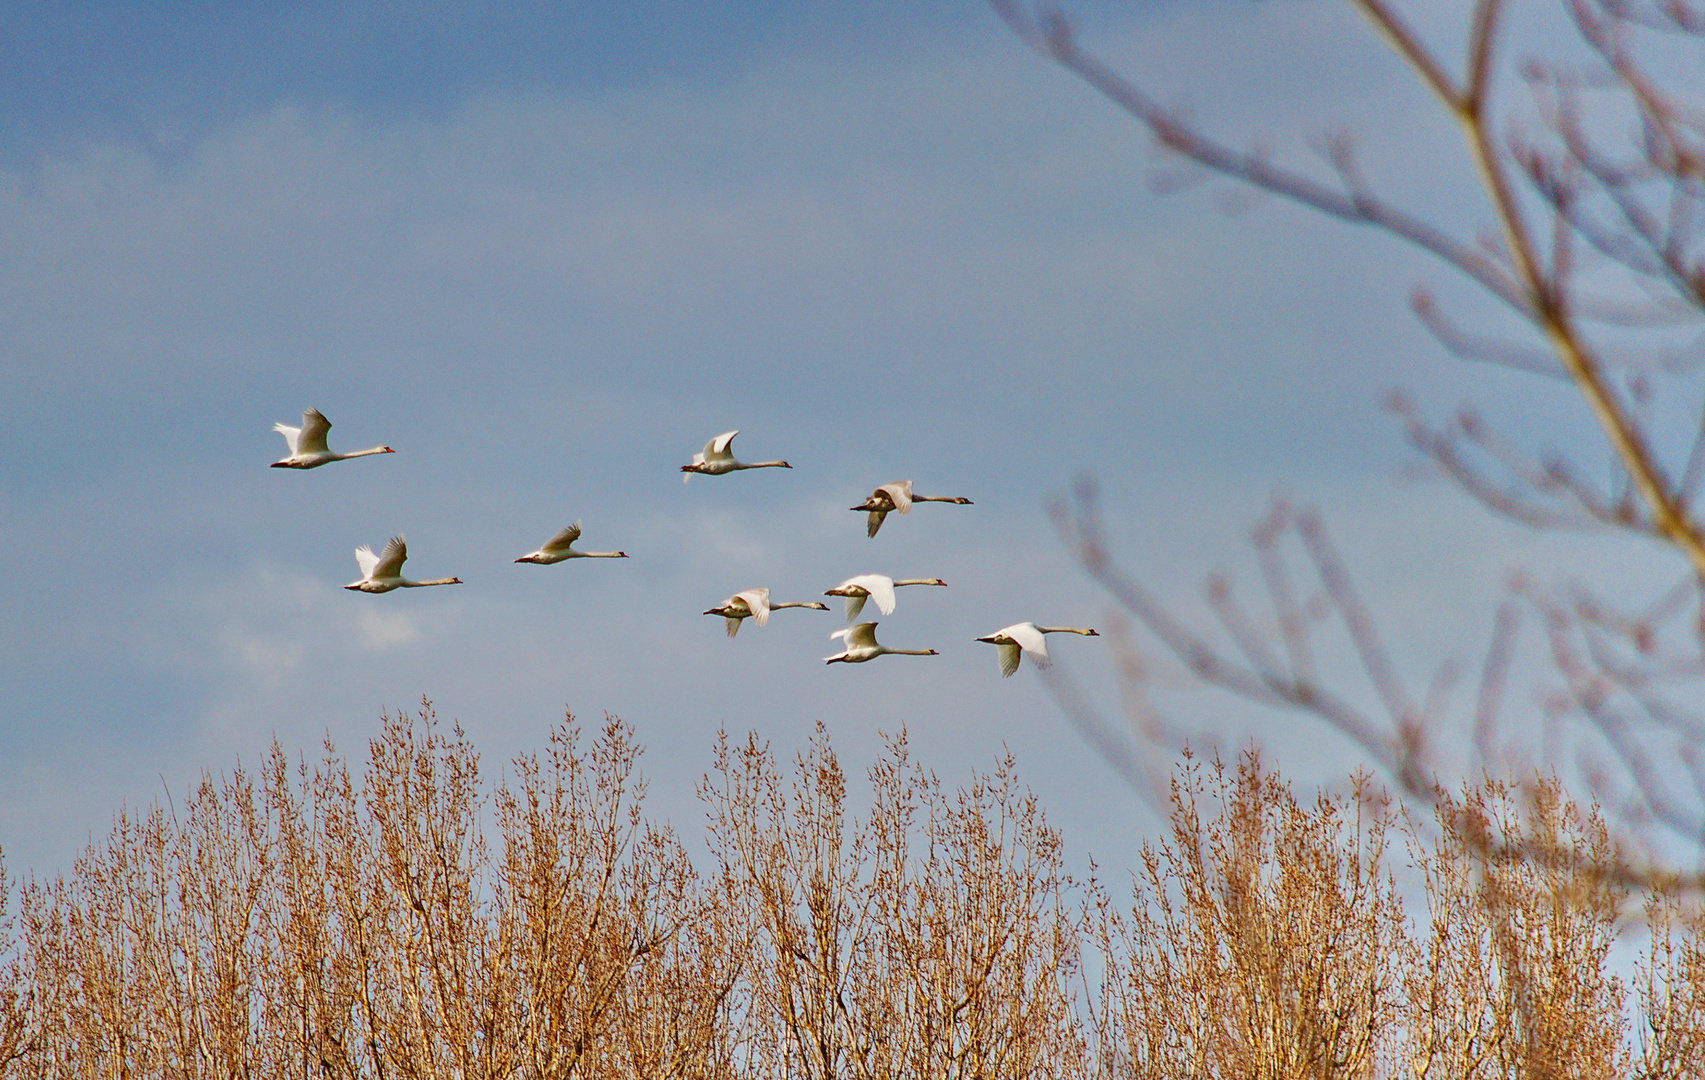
(383, 572)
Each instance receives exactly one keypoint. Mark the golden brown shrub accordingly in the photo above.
(1265, 942)
(1513, 979)
(875, 958)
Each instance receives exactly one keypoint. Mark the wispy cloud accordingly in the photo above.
(939, 263)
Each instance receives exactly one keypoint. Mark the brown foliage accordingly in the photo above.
(416, 921)
(934, 939)
(1266, 942)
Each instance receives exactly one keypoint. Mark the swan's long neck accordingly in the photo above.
(961, 500)
(1066, 630)
(602, 554)
(407, 584)
(907, 652)
(797, 603)
(920, 581)
(761, 465)
(365, 453)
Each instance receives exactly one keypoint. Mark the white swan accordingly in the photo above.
(557, 549)
(717, 458)
(874, 586)
(1027, 637)
(898, 497)
(755, 604)
(859, 644)
(308, 444)
(382, 573)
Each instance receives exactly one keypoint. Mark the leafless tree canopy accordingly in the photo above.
(313, 920)
(1592, 165)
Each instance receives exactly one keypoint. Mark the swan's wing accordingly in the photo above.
(315, 426)
(365, 559)
(855, 604)
(391, 560)
(842, 634)
(290, 434)
(1008, 656)
(875, 522)
(879, 587)
(718, 448)
(1031, 640)
(733, 624)
(881, 590)
(561, 540)
(900, 493)
(758, 603)
(862, 636)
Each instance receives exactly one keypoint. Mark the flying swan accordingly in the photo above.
(308, 444)
(898, 497)
(717, 458)
(755, 604)
(859, 644)
(874, 586)
(1027, 637)
(557, 549)
(382, 573)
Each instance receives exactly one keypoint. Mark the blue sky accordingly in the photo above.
(545, 252)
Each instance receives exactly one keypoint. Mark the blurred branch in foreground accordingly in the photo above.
(1638, 747)
(1593, 178)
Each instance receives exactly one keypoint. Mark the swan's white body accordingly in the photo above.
(898, 498)
(308, 444)
(717, 458)
(1027, 638)
(755, 604)
(876, 587)
(382, 573)
(558, 549)
(859, 644)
